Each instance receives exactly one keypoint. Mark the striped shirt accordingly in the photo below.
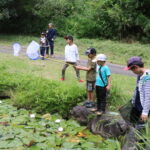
(144, 90)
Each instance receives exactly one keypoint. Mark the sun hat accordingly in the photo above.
(90, 51)
(133, 61)
(100, 57)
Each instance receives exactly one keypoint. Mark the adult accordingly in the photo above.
(51, 35)
(141, 98)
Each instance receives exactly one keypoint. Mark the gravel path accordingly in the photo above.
(116, 69)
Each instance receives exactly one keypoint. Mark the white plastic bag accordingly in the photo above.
(16, 48)
(32, 50)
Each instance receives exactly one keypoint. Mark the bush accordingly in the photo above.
(40, 94)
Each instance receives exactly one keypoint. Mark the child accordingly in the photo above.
(42, 45)
(71, 57)
(103, 83)
(90, 76)
(141, 98)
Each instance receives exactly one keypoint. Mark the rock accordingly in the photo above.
(81, 113)
(107, 125)
(130, 140)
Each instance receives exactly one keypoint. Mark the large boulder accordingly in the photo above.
(107, 125)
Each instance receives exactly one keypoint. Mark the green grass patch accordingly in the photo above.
(40, 94)
(121, 91)
(117, 52)
(35, 84)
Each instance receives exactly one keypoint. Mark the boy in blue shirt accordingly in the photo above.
(103, 83)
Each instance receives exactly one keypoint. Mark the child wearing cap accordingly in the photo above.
(90, 76)
(71, 57)
(43, 41)
(141, 98)
(103, 83)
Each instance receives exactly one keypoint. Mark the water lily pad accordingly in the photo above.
(69, 145)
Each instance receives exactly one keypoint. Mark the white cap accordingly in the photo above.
(50, 24)
(100, 57)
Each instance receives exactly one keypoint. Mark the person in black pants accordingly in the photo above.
(103, 83)
(51, 35)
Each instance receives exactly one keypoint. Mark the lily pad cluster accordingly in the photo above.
(21, 130)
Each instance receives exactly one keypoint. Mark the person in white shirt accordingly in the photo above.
(71, 57)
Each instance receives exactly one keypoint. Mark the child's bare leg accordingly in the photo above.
(92, 96)
(89, 96)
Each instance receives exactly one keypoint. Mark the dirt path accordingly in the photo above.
(116, 69)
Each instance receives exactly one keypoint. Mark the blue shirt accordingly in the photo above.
(105, 72)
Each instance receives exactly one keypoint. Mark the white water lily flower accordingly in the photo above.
(114, 113)
(60, 129)
(57, 120)
(32, 115)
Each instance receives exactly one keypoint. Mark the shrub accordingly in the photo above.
(40, 94)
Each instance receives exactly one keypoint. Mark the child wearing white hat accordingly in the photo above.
(103, 83)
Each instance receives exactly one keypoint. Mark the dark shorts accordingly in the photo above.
(90, 86)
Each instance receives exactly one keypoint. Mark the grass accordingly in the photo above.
(36, 84)
(47, 69)
(117, 52)
(121, 91)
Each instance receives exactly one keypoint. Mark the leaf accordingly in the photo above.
(42, 146)
(8, 137)
(81, 134)
(34, 148)
(88, 145)
(47, 117)
(51, 141)
(74, 140)
(69, 145)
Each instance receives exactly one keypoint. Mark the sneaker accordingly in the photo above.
(86, 102)
(81, 80)
(52, 56)
(99, 113)
(47, 56)
(89, 105)
(93, 109)
(62, 79)
(93, 104)
(42, 58)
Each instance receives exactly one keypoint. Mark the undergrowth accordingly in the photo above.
(40, 94)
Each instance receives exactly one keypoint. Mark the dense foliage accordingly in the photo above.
(40, 94)
(117, 19)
